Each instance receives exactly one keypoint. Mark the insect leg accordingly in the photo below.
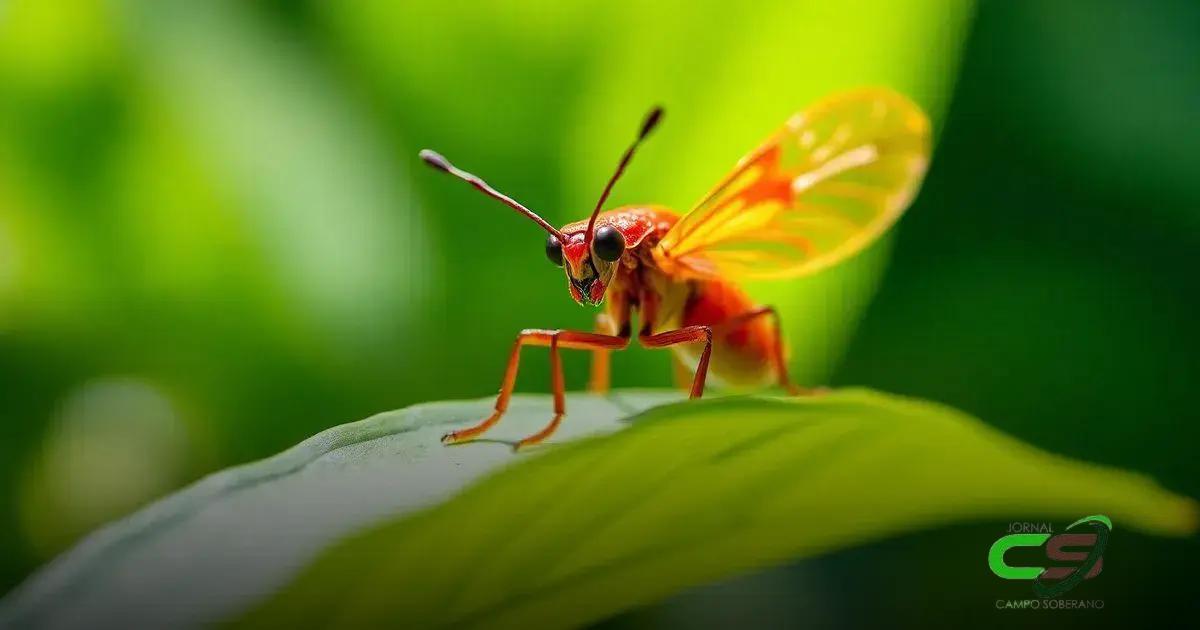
(781, 369)
(532, 337)
(687, 334)
(568, 339)
(556, 388)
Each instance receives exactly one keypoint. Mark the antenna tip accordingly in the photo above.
(435, 159)
(652, 119)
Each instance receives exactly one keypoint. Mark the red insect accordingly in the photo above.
(827, 184)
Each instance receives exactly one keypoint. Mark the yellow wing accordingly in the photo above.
(820, 189)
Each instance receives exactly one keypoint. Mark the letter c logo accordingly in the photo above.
(996, 556)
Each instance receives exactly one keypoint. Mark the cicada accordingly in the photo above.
(821, 188)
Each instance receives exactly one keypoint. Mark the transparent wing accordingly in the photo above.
(827, 184)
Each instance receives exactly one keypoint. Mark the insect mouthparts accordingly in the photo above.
(583, 285)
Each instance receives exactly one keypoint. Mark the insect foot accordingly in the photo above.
(470, 433)
(537, 438)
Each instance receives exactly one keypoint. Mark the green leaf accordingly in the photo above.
(216, 547)
(692, 493)
(570, 533)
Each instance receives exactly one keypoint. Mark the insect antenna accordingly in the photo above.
(648, 125)
(436, 160)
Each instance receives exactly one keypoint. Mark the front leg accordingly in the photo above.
(555, 339)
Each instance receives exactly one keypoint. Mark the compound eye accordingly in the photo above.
(554, 250)
(608, 243)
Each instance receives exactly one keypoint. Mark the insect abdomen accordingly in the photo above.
(742, 355)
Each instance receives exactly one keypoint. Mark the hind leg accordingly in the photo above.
(779, 360)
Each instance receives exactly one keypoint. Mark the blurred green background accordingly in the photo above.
(216, 240)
